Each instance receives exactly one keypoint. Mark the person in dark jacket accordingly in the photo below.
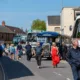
(19, 49)
(73, 57)
(39, 54)
(1, 50)
(63, 51)
(28, 51)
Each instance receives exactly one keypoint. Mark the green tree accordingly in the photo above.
(38, 25)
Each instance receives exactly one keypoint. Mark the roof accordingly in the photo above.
(54, 20)
(5, 30)
(48, 34)
(15, 29)
(73, 7)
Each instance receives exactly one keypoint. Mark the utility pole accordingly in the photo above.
(62, 3)
(62, 30)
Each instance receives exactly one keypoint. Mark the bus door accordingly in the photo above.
(76, 31)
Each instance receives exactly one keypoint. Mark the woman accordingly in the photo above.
(12, 51)
(7, 50)
(55, 56)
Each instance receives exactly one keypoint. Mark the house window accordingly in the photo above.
(57, 29)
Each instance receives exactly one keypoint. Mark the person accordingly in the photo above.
(19, 49)
(38, 53)
(1, 50)
(50, 41)
(3, 46)
(12, 52)
(64, 51)
(28, 51)
(73, 57)
(55, 56)
(7, 49)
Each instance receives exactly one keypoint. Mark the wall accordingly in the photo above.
(67, 20)
(52, 28)
(6, 36)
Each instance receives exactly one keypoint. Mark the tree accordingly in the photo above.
(38, 25)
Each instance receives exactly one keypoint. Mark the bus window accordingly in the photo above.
(76, 31)
(32, 37)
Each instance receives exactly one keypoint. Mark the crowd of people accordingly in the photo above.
(57, 52)
(72, 56)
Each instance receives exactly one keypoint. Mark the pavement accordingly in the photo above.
(24, 70)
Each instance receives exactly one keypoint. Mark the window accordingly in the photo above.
(57, 29)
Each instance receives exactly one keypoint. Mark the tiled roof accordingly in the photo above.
(4, 29)
(54, 20)
(15, 29)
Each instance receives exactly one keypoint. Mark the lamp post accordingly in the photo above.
(62, 29)
(62, 3)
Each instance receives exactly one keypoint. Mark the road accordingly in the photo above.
(24, 70)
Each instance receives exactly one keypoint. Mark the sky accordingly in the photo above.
(21, 13)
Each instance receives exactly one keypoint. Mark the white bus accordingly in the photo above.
(76, 30)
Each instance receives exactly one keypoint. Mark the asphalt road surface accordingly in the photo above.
(24, 70)
(2, 75)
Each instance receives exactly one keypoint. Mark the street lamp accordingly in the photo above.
(62, 3)
(62, 29)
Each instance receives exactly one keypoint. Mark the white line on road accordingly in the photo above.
(68, 79)
(57, 73)
(61, 75)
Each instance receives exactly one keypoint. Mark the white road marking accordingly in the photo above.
(61, 75)
(57, 73)
(68, 79)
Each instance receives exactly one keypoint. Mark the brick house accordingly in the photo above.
(8, 32)
(16, 30)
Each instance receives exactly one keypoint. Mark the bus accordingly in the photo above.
(20, 38)
(76, 30)
(32, 39)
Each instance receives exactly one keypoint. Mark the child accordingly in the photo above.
(12, 51)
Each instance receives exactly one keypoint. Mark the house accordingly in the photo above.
(68, 17)
(16, 30)
(53, 23)
(6, 34)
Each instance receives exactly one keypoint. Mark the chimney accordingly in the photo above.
(3, 23)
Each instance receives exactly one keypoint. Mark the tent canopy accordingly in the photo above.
(48, 34)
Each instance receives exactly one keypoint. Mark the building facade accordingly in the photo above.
(7, 33)
(16, 30)
(68, 17)
(53, 24)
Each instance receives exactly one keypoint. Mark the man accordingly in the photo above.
(64, 51)
(19, 48)
(73, 57)
(50, 41)
(28, 51)
(39, 54)
(3, 46)
(1, 50)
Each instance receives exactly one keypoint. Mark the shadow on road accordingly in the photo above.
(46, 67)
(14, 69)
